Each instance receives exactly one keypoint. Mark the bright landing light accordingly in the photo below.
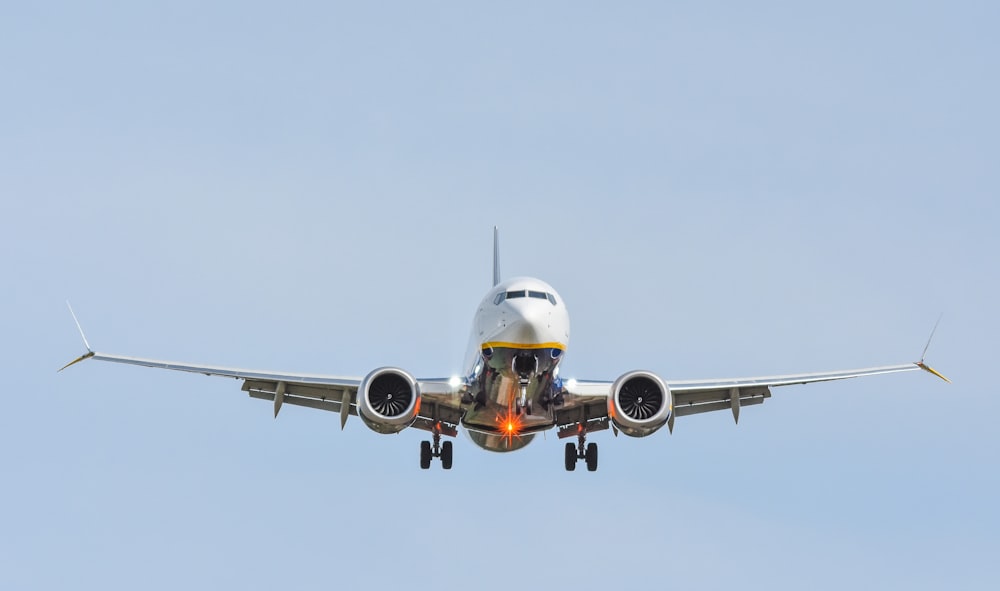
(509, 425)
(455, 381)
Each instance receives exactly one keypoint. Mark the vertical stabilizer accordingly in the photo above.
(496, 256)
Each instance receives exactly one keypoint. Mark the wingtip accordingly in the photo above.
(930, 369)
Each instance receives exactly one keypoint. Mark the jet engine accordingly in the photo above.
(388, 400)
(640, 403)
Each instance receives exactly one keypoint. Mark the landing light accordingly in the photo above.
(509, 424)
(571, 383)
(455, 381)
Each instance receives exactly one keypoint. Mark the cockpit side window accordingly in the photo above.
(551, 298)
(500, 297)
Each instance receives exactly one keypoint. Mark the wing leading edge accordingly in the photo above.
(585, 402)
(322, 392)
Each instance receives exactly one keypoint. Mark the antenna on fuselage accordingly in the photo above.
(496, 256)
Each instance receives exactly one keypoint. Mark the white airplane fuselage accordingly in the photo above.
(520, 334)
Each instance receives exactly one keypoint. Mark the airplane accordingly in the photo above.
(512, 389)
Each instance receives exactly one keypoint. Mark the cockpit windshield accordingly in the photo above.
(524, 293)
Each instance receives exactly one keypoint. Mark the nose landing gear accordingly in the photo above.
(524, 365)
(523, 404)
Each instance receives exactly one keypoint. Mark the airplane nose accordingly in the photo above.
(529, 313)
(529, 322)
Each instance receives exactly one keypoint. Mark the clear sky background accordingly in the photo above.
(716, 189)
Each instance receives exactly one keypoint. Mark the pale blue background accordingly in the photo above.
(715, 189)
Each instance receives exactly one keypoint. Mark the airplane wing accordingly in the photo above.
(323, 392)
(586, 401)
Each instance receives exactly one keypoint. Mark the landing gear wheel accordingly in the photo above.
(446, 455)
(591, 457)
(570, 457)
(425, 455)
(522, 401)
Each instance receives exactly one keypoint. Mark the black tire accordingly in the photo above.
(570, 457)
(446, 455)
(425, 455)
(591, 457)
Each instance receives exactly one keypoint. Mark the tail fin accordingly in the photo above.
(496, 256)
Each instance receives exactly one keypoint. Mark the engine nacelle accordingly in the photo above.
(388, 400)
(640, 403)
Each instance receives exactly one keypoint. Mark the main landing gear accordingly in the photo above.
(581, 451)
(440, 449)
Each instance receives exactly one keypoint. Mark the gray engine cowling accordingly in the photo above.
(640, 403)
(388, 400)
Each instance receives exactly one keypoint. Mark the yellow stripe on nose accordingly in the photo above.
(506, 345)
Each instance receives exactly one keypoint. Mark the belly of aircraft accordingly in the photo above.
(492, 418)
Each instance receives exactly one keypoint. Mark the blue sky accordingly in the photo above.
(715, 189)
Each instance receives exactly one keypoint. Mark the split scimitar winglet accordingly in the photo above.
(90, 352)
(923, 355)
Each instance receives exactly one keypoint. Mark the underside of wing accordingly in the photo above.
(585, 409)
(436, 403)
(698, 396)
(641, 397)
